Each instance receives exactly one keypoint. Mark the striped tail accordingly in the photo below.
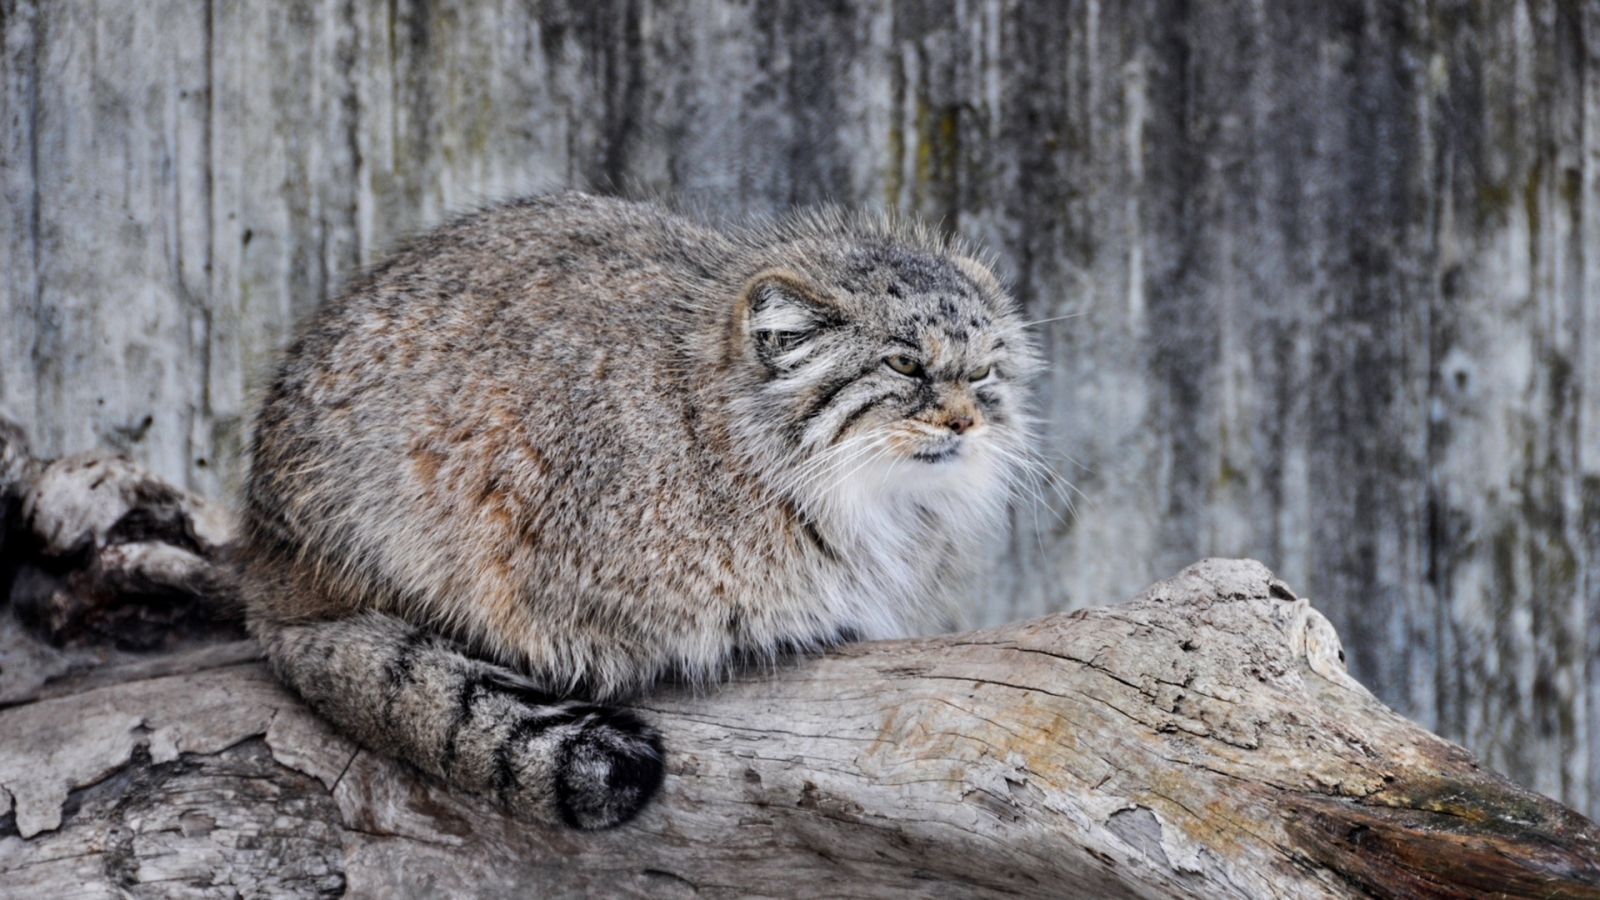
(405, 692)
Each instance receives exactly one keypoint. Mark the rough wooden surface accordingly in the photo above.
(1202, 741)
(109, 573)
(1331, 266)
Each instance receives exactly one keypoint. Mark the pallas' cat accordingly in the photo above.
(568, 445)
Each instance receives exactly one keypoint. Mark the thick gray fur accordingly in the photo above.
(560, 448)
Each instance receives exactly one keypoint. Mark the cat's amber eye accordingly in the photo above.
(979, 374)
(903, 364)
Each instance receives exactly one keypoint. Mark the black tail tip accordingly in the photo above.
(610, 769)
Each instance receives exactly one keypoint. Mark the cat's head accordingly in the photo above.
(889, 364)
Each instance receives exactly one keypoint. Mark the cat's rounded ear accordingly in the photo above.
(781, 313)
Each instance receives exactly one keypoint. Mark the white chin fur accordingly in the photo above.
(968, 484)
(908, 525)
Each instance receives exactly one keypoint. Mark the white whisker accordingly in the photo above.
(1075, 315)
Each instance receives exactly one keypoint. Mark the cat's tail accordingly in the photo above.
(405, 692)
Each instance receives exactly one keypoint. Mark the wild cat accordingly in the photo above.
(561, 448)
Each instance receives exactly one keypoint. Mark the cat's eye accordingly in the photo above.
(979, 374)
(903, 364)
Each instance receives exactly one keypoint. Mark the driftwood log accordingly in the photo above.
(1202, 740)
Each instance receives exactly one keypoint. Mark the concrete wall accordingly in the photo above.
(1325, 276)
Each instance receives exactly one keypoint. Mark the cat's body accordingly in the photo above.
(596, 443)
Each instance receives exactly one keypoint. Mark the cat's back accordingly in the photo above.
(480, 389)
(562, 274)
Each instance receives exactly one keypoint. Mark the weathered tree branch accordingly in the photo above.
(1200, 741)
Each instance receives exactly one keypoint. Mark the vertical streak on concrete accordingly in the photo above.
(1587, 361)
(217, 463)
(1133, 86)
(1564, 658)
(117, 168)
(19, 390)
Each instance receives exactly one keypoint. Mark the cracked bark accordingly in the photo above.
(1202, 740)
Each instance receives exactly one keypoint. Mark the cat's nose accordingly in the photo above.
(958, 424)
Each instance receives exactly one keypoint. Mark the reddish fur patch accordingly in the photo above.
(425, 465)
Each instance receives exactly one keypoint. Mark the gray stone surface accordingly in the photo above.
(1330, 268)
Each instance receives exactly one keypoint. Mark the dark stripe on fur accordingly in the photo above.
(472, 688)
(563, 785)
(398, 673)
(505, 773)
(831, 393)
(452, 735)
(925, 398)
(513, 687)
(404, 691)
(808, 528)
(991, 406)
(856, 414)
(531, 726)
